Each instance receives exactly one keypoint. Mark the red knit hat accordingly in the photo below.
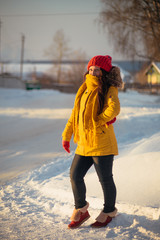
(104, 62)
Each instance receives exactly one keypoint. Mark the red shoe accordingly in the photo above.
(100, 224)
(83, 218)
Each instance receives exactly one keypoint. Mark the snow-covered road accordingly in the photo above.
(30, 129)
(38, 203)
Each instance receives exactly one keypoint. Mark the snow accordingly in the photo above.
(36, 200)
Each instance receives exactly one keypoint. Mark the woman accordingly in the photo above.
(95, 109)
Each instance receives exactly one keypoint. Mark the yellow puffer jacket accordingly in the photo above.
(106, 143)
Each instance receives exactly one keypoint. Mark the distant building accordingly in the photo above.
(153, 73)
(9, 81)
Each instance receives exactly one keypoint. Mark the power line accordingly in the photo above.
(48, 14)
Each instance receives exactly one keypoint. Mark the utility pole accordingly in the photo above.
(22, 56)
(1, 66)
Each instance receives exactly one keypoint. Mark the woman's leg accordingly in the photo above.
(79, 168)
(103, 166)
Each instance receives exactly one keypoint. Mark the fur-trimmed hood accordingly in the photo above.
(114, 77)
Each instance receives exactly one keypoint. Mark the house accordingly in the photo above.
(9, 81)
(153, 73)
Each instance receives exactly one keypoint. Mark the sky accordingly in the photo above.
(38, 21)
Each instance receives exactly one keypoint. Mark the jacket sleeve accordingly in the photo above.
(111, 107)
(68, 131)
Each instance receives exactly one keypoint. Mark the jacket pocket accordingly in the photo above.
(102, 129)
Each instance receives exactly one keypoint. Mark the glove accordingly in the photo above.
(66, 146)
(112, 121)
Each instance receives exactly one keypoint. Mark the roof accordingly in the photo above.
(156, 65)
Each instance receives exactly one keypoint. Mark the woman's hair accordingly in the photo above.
(108, 79)
(103, 87)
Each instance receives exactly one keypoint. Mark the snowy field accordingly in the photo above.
(36, 200)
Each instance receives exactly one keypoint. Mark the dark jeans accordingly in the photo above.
(103, 166)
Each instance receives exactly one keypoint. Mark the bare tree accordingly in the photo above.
(59, 50)
(134, 26)
(76, 72)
